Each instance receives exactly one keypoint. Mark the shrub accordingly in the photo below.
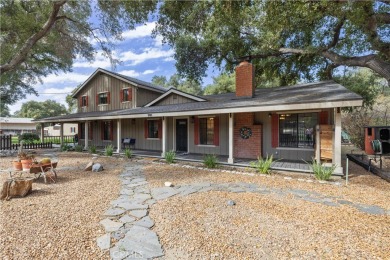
(92, 149)
(263, 165)
(28, 138)
(170, 156)
(210, 160)
(128, 153)
(322, 172)
(109, 150)
(65, 148)
(78, 148)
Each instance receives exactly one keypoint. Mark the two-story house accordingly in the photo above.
(293, 122)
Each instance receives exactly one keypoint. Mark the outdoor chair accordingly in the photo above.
(128, 141)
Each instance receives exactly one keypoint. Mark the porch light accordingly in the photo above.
(269, 115)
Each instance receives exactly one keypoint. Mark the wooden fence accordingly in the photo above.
(6, 144)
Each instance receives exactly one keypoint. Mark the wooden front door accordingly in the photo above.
(182, 135)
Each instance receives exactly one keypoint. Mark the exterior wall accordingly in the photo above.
(250, 148)
(55, 130)
(145, 96)
(173, 99)
(222, 149)
(17, 128)
(134, 128)
(105, 83)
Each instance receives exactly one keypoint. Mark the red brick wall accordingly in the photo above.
(368, 139)
(247, 148)
(245, 80)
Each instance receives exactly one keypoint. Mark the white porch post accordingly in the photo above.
(86, 137)
(231, 138)
(337, 140)
(61, 134)
(164, 137)
(42, 132)
(119, 134)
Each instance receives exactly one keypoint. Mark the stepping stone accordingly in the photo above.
(311, 199)
(126, 191)
(374, 210)
(186, 190)
(345, 202)
(104, 242)
(299, 192)
(110, 225)
(127, 219)
(141, 197)
(330, 203)
(132, 205)
(139, 242)
(132, 185)
(236, 189)
(145, 222)
(163, 193)
(150, 202)
(113, 212)
(138, 213)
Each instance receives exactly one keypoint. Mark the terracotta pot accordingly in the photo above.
(17, 165)
(26, 164)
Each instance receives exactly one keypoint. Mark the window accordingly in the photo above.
(103, 98)
(206, 130)
(73, 129)
(82, 131)
(126, 95)
(84, 101)
(107, 130)
(152, 128)
(297, 130)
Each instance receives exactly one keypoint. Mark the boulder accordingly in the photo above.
(16, 187)
(97, 167)
(89, 167)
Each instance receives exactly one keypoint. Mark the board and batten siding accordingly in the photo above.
(134, 128)
(145, 96)
(172, 99)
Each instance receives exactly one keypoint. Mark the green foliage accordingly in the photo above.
(160, 81)
(29, 138)
(128, 153)
(67, 38)
(210, 160)
(37, 110)
(170, 156)
(65, 147)
(182, 84)
(109, 150)
(292, 40)
(322, 172)
(92, 149)
(4, 110)
(78, 148)
(263, 165)
(224, 83)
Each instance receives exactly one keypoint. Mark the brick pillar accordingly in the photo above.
(245, 80)
(249, 148)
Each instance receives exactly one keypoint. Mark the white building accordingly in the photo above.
(69, 129)
(16, 126)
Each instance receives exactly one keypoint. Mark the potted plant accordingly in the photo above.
(26, 160)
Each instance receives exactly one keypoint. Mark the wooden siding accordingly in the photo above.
(134, 128)
(145, 96)
(172, 99)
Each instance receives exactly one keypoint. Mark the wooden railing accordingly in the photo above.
(6, 144)
(57, 139)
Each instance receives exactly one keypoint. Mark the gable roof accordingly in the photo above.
(320, 95)
(133, 81)
(177, 92)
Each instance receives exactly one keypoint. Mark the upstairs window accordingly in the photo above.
(103, 98)
(206, 130)
(152, 128)
(84, 101)
(297, 130)
(126, 95)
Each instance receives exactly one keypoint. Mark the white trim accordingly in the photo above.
(307, 106)
(295, 148)
(299, 111)
(150, 138)
(175, 91)
(206, 145)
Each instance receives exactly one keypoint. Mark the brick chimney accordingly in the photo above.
(245, 79)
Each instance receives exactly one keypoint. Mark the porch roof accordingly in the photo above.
(325, 94)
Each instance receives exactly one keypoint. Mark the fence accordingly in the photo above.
(6, 144)
(57, 139)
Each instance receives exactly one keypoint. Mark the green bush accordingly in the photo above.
(65, 148)
(322, 172)
(109, 150)
(210, 160)
(263, 165)
(92, 149)
(170, 156)
(128, 153)
(78, 148)
(28, 138)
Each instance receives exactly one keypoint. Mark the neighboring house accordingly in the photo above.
(380, 133)
(246, 124)
(55, 130)
(16, 126)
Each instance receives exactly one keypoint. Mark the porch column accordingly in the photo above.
(42, 132)
(337, 140)
(119, 134)
(61, 133)
(231, 138)
(164, 136)
(86, 137)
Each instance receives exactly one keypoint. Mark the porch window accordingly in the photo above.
(206, 130)
(152, 128)
(297, 130)
(107, 130)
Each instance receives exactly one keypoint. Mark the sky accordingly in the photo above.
(141, 57)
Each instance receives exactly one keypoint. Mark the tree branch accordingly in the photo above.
(336, 35)
(21, 55)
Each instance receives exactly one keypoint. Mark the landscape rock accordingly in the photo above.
(97, 167)
(168, 184)
(231, 203)
(104, 242)
(110, 225)
(89, 166)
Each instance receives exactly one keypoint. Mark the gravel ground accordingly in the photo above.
(202, 226)
(60, 220)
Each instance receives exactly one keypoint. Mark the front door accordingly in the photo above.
(181, 135)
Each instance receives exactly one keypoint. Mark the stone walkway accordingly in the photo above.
(128, 225)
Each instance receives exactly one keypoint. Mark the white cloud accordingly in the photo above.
(140, 31)
(169, 59)
(146, 72)
(130, 73)
(65, 90)
(158, 41)
(147, 54)
(65, 78)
